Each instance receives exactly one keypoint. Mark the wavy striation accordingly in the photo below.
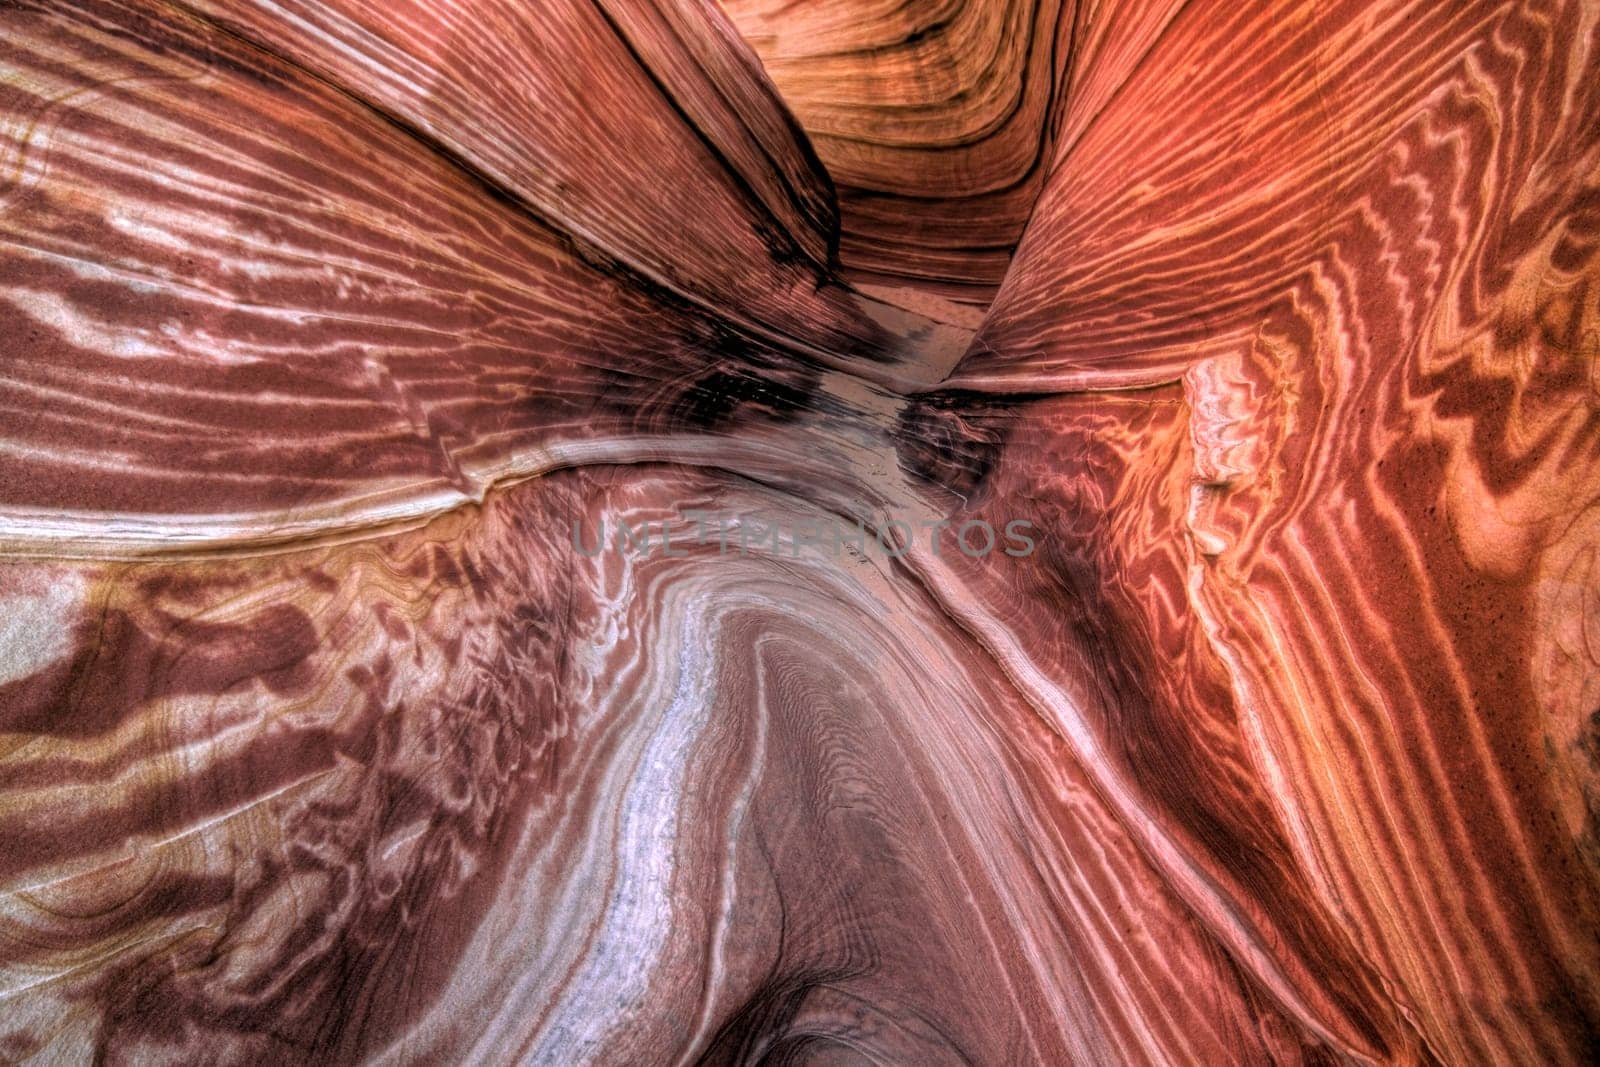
(935, 119)
(487, 510)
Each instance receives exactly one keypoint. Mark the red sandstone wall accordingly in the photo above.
(321, 740)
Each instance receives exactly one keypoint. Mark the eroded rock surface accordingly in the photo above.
(371, 689)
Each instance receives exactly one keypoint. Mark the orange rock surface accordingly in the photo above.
(488, 506)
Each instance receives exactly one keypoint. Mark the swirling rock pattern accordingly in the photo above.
(936, 121)
(341, 338)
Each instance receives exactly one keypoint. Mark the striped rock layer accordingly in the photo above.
(936, 121)
(338, 339)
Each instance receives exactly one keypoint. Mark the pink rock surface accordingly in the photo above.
(339, 723)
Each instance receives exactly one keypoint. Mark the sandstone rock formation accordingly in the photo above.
(371, 689)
